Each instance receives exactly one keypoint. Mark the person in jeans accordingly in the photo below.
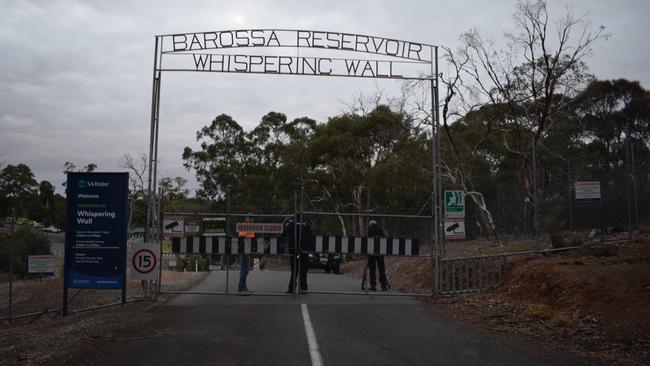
(376, 261)
(244, 260)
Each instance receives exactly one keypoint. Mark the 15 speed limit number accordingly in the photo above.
(144, 263)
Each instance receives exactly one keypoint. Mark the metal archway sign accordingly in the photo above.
(291, 52)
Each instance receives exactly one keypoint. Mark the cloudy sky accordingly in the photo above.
(75, 76)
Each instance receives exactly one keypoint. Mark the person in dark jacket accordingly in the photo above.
(296, 228)
(376, 261)
(244, 260)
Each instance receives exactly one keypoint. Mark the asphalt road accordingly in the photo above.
(310, 330)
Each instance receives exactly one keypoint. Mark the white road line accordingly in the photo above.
(314, 353)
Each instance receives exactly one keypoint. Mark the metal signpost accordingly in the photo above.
(96, 235)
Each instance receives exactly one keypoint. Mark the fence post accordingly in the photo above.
(295, 256)
(366, 272)
(300, 240)
(570, 193)
(228, 197)
(12, 242)
(535, 197)
(635, 195)
(158, 288)
(628, 181)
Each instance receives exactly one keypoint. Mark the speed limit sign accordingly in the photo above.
(144, 261)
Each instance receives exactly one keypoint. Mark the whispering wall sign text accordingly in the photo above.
(309, 53)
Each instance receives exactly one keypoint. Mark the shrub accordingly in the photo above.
(25, 242)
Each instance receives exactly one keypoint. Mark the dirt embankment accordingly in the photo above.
(594, 301)
(610, 285)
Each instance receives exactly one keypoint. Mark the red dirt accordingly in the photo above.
(593, 301)
(613, 290)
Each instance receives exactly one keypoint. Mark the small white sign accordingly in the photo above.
(259, 228)
(454, 228)
(144, 261)
(214, 226)
(173, 226)
(40, 265)
(588, 191)
(192, 228)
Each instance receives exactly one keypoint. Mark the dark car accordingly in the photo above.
(330, 262)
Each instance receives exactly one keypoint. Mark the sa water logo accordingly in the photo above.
(82, 183)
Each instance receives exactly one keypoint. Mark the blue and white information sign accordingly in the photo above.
(96, 231)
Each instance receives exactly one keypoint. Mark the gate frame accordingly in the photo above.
(153, 221)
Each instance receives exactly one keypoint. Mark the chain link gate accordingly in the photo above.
(205, 253)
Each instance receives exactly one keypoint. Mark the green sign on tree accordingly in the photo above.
(454, 204)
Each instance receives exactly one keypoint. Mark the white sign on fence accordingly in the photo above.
(588, 191)
(40, 265)
(173, 226)
(454, 228)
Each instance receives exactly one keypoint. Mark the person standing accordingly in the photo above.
(376, 262)
(244, 260)
(298, 237)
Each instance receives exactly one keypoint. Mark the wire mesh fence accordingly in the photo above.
(34, 296)
(503, 216)
(331, 253)
(201, 256)
(397, 261)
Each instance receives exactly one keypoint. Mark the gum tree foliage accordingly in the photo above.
(352, 153)
(173, 192)
(34, 200)
(18, 188)
(500, 104)
(69, 167)
(519, 90)
(385, 151)
(334, 162)
(264, 165)
(44, 209)
(220, 161)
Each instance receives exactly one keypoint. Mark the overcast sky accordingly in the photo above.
(75, 76)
